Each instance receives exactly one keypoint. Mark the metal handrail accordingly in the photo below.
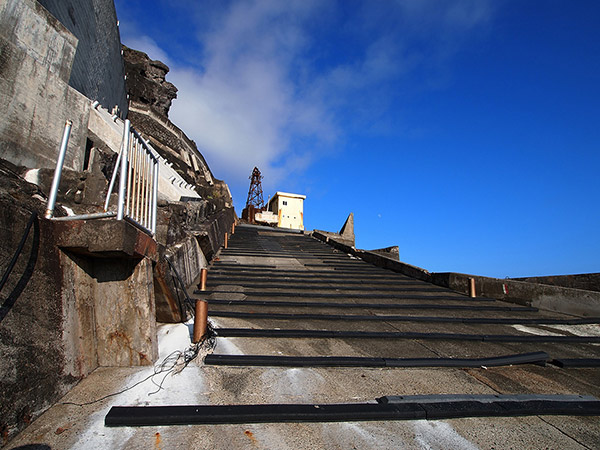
(138, 182)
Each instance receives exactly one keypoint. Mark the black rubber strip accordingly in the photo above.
(262, 273)
(286, 333)
(349, 412)
(352, 295)
(383, 318)
(349, 361)
(331, 287)
(576, 362)
(293, 304)
(485, 398)
(312, 281)
(292, 361)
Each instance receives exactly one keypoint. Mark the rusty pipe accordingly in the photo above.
(203, 274)
(472, 287)
(200, 320)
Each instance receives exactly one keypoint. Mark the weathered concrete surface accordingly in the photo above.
(585, 281)
(32, 362)
(187, 259)
(105, 238)
(211, 233)
(66, 312)
(345, 235)
(35, 53)
(390, 252)
(98, 71)
(107, 267)
(552, 298)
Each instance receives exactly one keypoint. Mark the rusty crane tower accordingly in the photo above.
(255, 202)
(255, 193)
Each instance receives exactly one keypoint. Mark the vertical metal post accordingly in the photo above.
(203, 275)
(154, 197)
(472, 287)
(123, 177)
(200, 320)
(58, 171)
(115, 171)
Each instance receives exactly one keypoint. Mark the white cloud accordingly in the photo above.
(147, 45)
(260, 96)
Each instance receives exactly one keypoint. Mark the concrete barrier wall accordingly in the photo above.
(585, 281)
(552, 298)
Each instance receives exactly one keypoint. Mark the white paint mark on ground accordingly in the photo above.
(440, 435)
(580, 330)
(536, 331)
(184, 388)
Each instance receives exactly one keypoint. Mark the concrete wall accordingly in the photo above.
(98, 71)
(586, 281)
(32, 361)
(78, 297)
(35, 56)
(552, 298)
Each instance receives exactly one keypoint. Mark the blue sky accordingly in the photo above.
(467, 132)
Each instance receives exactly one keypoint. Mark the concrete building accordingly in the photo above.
(289, 209)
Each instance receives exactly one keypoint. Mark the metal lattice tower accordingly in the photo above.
(255, 193)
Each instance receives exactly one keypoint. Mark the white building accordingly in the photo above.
(289, 209)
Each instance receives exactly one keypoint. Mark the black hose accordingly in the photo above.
(13, 261)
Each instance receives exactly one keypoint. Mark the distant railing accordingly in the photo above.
(138, 182)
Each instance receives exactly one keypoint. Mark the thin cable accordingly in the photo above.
(169, 365)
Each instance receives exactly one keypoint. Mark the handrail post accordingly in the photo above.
(155, 197)
(123, 170)
(58, 171)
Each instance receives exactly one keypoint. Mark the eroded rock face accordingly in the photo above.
(146, 83)
(150, 98)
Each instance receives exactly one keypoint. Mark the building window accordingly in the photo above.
(285, 203)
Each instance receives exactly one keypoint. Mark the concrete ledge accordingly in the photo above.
(565, 300)
(104, 238)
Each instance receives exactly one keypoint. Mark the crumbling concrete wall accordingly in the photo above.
(97, 71)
